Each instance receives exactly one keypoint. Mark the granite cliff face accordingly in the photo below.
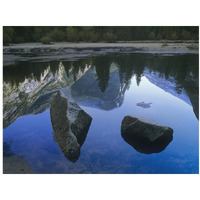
(34, 96)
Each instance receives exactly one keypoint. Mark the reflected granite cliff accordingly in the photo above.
(34, 94)
(100, 82)
(188, 91)
(89, 90)
(177, 75)
(191, 85)
(104, 85)
(70, 124)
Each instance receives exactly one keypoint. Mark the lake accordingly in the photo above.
(161, 87)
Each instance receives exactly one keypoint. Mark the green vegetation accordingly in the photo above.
(46, 40)
(48, 34)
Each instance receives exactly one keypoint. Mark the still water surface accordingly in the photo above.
(108, 88)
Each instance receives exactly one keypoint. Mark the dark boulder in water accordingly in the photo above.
(145, 135)
(70, 124)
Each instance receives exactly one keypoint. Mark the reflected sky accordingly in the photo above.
(104, 150)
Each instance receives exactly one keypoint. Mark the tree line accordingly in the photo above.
(49, 34)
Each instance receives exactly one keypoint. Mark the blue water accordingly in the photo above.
(104, 150)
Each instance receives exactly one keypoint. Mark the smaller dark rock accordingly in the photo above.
(145, 135)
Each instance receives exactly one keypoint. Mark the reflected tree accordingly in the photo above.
(22, 70)
(102, 67)
(138, 72)
(125, 66)
(130, 65)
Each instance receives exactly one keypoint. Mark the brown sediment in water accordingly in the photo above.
(16, 164)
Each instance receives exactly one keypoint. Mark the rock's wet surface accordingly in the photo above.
(145, 135)
(70, 124)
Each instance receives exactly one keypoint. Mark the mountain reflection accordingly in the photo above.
(34, 94)
(101, 82)
(89, 91)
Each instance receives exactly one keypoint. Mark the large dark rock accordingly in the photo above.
(70, 124)
(145, 135)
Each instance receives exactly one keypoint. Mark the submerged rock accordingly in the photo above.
(144, 105)
(13, 163)
(145, 135)
(70, 124)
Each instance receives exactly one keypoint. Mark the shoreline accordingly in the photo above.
(137, 44)
(74, 51)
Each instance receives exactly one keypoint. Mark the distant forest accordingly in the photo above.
(49, 34)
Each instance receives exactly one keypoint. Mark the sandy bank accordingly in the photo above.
(147, 45)
(74, 51)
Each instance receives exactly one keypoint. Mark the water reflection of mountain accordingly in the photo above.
(168, 85)
(86, 91)
(28, 88)
(177, 75)
(103, 88)
(35, 93)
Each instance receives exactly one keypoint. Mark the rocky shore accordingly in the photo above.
(73, 51)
